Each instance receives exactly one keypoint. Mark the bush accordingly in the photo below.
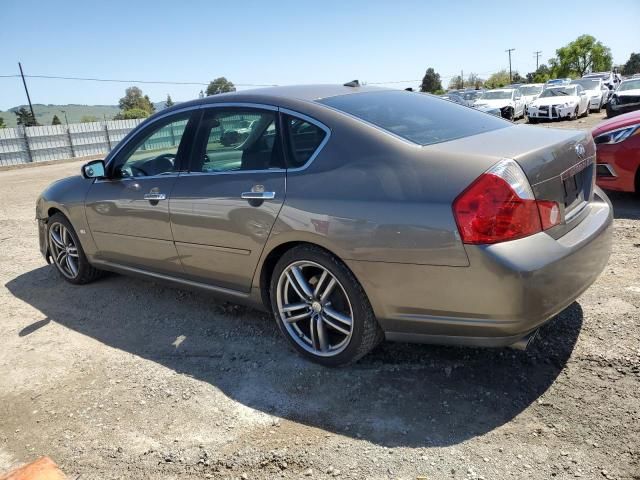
(131, 114)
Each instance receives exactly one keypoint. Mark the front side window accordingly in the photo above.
(304, 139)
(237, 139)
(156, 153)
(417, 117)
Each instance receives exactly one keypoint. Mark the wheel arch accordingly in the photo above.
(271, 258)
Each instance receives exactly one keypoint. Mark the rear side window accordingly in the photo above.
(419, 118)
(304, 139)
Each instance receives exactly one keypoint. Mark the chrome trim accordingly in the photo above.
(150, 177)
(229, 172)
(153, 197)
(262, 106)
(318, 124)
(258, 195)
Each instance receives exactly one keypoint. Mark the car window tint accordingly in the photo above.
(156, 152)
(419, 118)
(304, 140)
(238, 139)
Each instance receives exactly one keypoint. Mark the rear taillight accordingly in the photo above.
(500, 205)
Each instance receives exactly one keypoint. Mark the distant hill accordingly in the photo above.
(45, 113)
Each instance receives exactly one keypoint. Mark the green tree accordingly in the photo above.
(517, 78)
(541, 75)
(131, 114)
(88, 119)
(56, 120)
(456, 83)
(498, 79)
(633, 65)
(2, 124)
(220, 85)
(24, 117)
(474, 81)
(584, 54)
(169, 102)
(431, 81)
(134, 99)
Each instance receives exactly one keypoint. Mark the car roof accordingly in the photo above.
(501, 90)
(306, 93)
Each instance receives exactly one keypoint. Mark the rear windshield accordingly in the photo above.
(419, 118)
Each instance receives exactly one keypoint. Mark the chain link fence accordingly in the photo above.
(60, 142)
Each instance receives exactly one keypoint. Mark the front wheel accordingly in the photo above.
(321, 308)
(575, 113)
(67, 253)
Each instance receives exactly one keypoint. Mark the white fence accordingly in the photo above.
(58, 142)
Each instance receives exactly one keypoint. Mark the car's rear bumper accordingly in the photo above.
(507, 291)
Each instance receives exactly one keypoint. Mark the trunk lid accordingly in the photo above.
(559, 164)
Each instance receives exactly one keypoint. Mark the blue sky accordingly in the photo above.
(285, 42)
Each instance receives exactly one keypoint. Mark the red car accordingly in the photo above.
(618, 153)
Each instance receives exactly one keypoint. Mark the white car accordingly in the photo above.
(508, 100)
(530, 91)
(596, 90)
(567, 101)
(625, 99)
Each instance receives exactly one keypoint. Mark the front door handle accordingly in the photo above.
(258, 195)
(154, 197)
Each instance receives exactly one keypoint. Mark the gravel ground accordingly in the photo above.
(126, 378)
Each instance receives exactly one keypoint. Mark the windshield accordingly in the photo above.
(558, 92)
(587, 84)
(496, 95)
(630, 85)
(531, 90)
(419, 118)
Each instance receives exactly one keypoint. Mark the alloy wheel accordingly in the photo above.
(314, 308)
(64, 250)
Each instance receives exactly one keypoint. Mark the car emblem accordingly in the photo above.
(580, 151)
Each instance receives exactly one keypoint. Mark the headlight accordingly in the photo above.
(617, 136)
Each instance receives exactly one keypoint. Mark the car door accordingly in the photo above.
(519, 102)
(223, 208)
(128, 212)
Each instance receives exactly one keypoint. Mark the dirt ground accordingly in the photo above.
(126, 378)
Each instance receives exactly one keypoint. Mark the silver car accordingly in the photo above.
(354, 214)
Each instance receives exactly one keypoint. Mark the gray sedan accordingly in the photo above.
(354, 214)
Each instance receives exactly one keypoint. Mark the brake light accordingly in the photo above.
(500, 205)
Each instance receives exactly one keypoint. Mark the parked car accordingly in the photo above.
(530, 91)
(508, 100)
(569, 101)
(557, 82)
(470, 96)
(352, 213)
(625, 99)
(455, 98)
(489, 109)
(610, 79)
(618, 152)
(596, 91)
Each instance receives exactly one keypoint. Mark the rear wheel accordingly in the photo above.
(321, 308)
(67, 253)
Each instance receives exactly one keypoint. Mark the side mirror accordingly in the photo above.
(93, 169)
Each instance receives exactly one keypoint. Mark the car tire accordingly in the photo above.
(67, 254)
(586, 111)
(510, 114)
(343, 343)
(576, 113)
(610, 113)
(532, 120)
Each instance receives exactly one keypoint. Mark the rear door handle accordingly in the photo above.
(258, 195)
(154, 197)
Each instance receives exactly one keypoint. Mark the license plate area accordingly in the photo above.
(574, 190)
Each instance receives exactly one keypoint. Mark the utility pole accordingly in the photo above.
(26, 91)
(537, 54)
(510, 50)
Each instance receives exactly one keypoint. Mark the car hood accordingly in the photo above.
(620, 121)
(555, 100)
(497, 103)
(594, 92)
(631, 93)
(530, 98)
